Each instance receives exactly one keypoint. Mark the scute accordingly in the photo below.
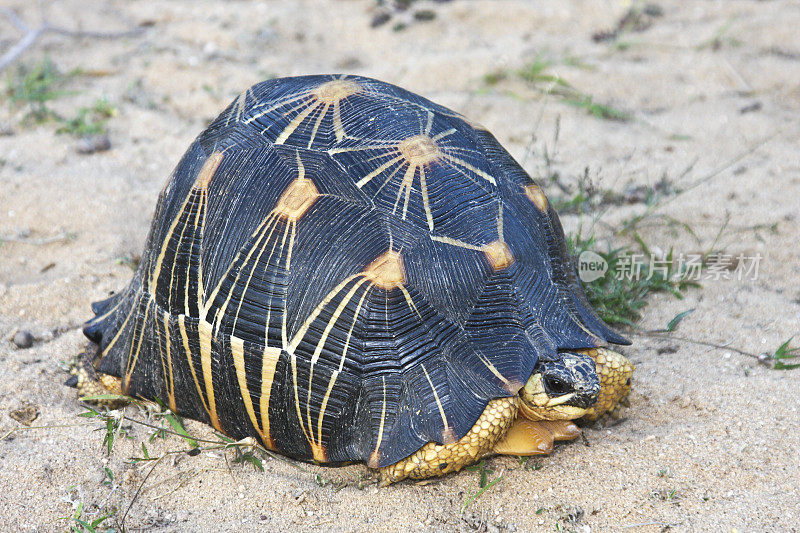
(346, 271)
(423, 167)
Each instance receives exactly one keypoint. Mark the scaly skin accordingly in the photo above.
(615, 373)
(439, 459)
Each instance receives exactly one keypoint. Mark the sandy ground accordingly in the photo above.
(712, 437)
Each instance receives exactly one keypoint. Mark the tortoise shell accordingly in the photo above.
(345, 271)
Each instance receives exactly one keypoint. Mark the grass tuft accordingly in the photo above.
(483, 485)
(783, 353)
(667, 495)
(619, 296)
(34, 87)
(538, 75)
(529, 465)
(89, 120)
(604, 111)
(113, 424)
(83, 521)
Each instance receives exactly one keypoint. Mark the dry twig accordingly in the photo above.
(30, 35)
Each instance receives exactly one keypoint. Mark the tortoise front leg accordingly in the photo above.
(535, 437)
(434, 460)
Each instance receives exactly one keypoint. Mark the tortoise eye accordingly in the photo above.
(556, 386)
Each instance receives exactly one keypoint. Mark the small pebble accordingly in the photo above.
(425, 15)
(210, 49)
(380, 19)
(95, 143)
(654, 10)
(23, 339)
(750, 108)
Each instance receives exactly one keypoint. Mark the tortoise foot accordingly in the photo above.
(91, 383)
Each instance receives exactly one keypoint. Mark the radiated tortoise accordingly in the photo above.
(347, 271)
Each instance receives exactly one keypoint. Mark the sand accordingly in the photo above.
(711, 440)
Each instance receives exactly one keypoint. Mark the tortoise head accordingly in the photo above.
(560, 389)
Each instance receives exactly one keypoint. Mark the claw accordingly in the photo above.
(562, 429)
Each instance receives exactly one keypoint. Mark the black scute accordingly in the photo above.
(537, 238)
(359, 371)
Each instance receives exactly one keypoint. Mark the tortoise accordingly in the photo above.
(347, 271)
